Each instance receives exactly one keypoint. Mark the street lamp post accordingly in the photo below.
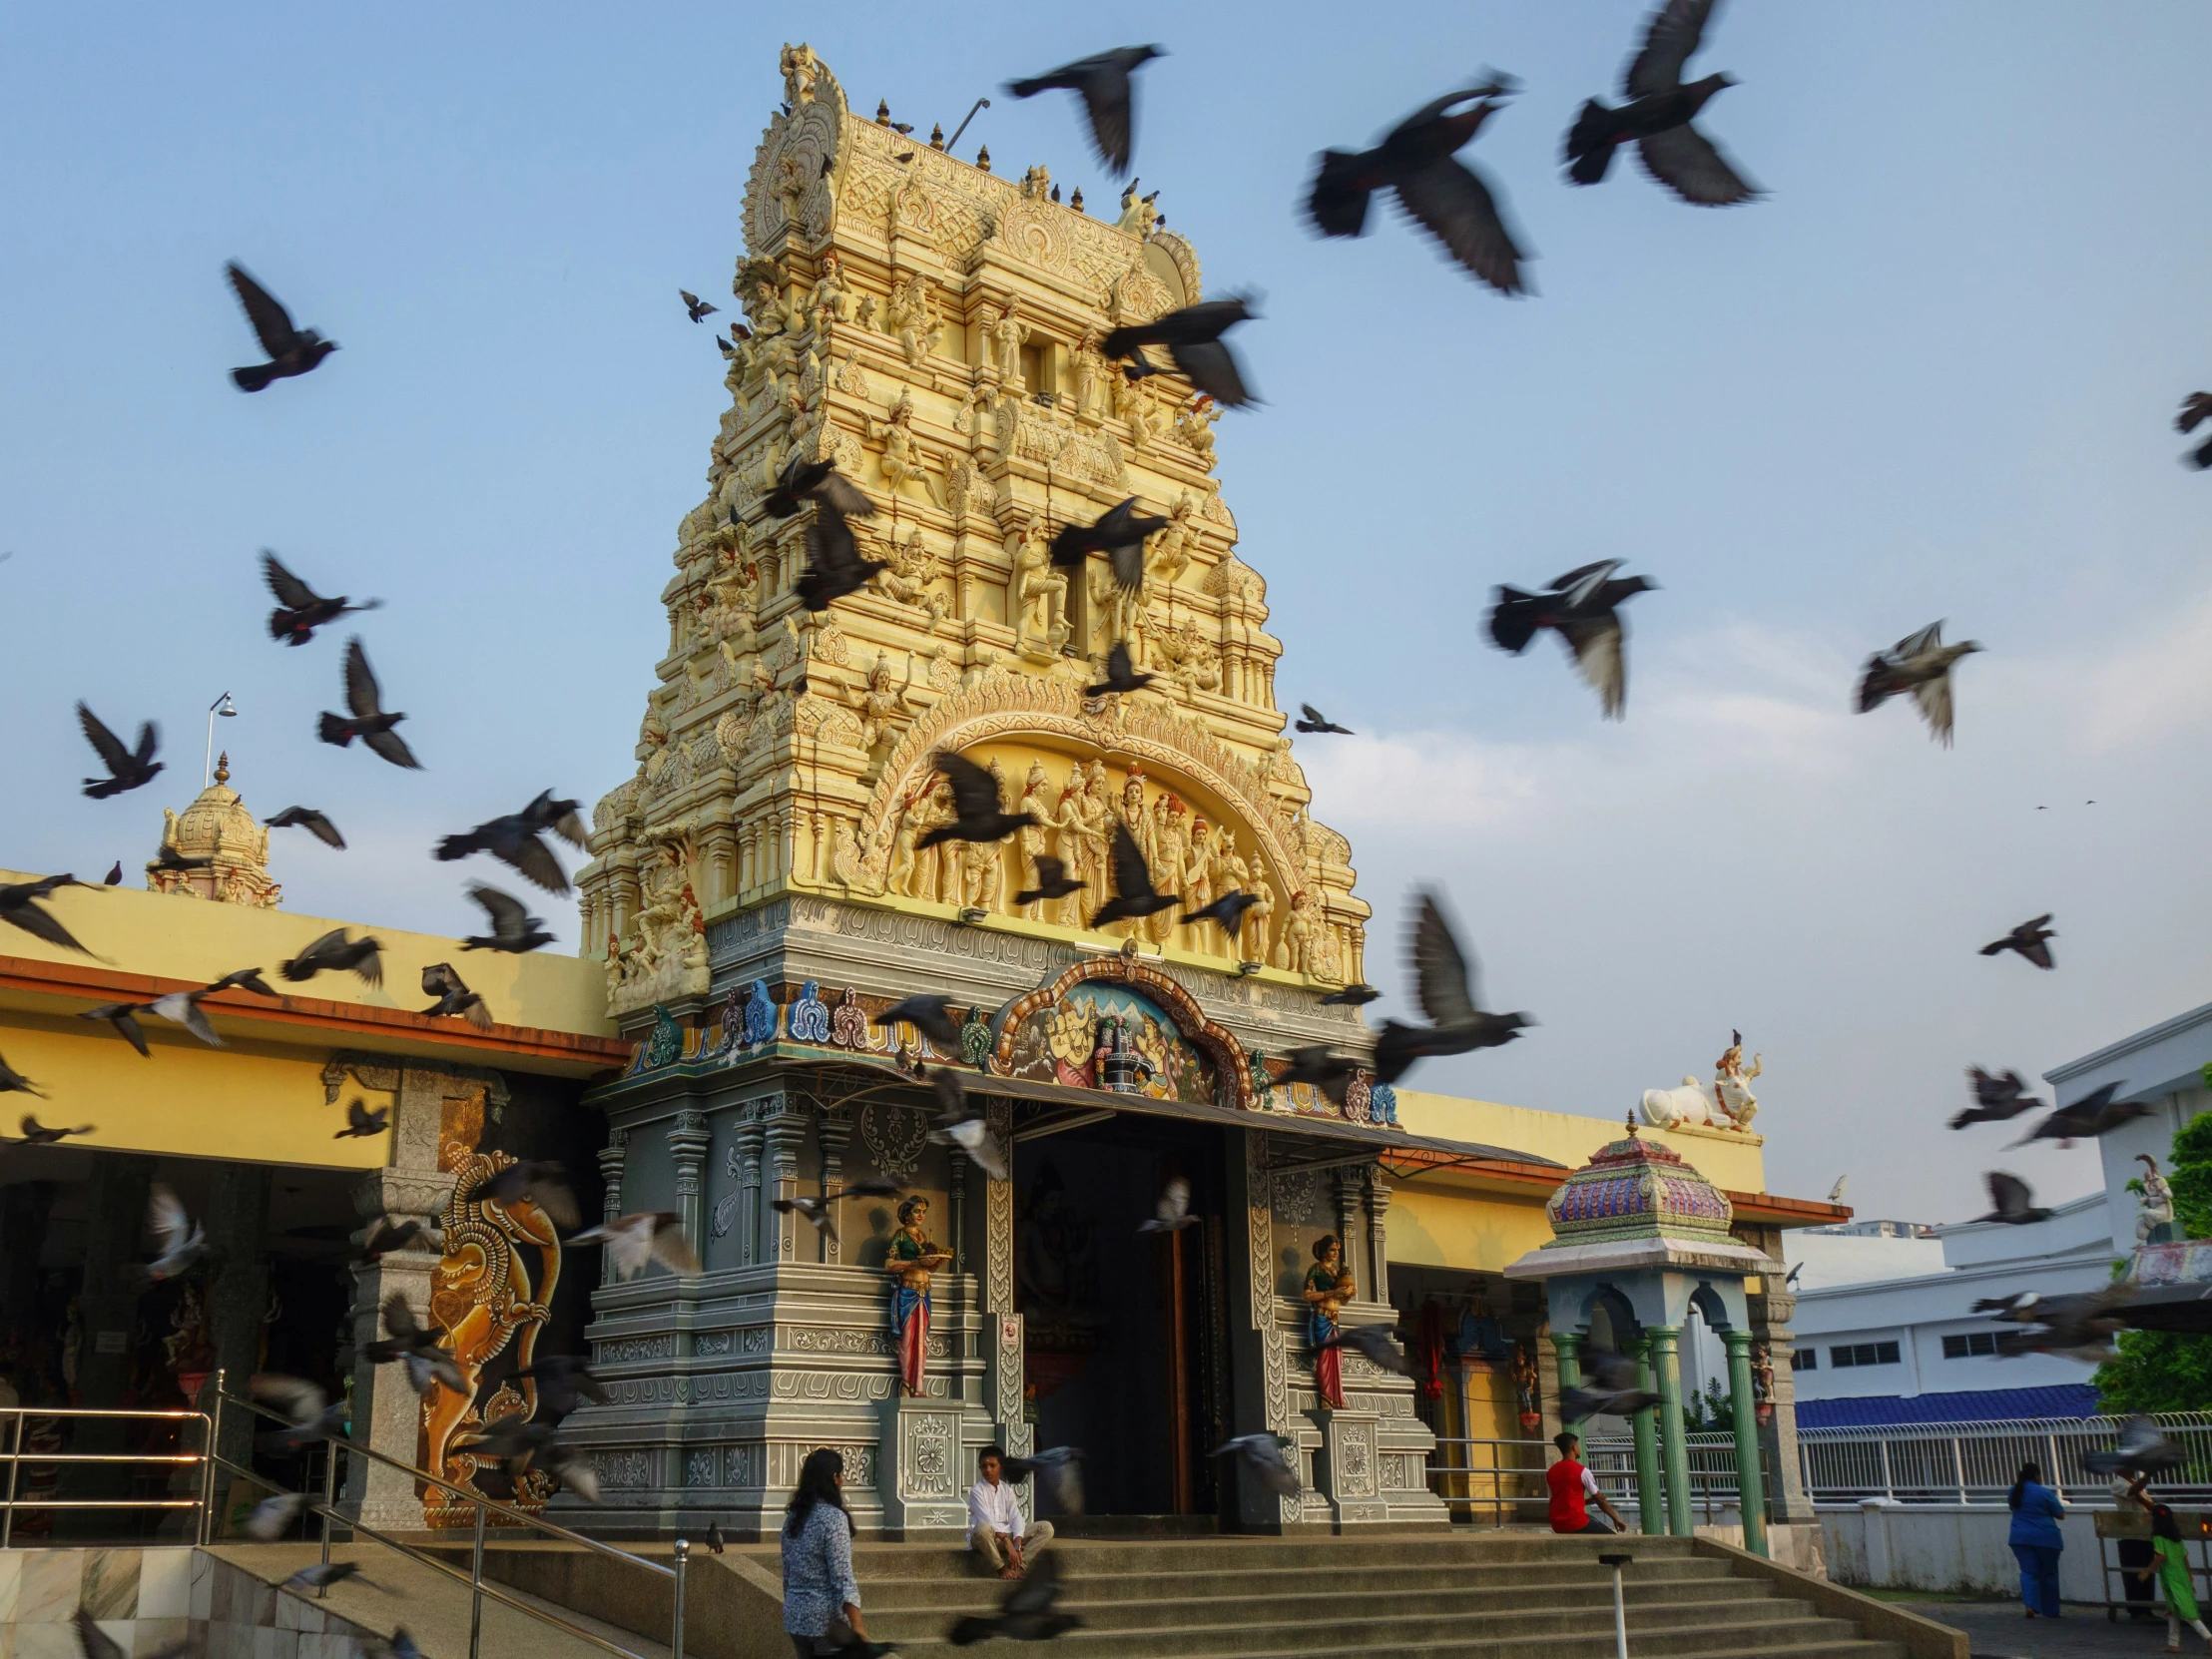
(228, 709)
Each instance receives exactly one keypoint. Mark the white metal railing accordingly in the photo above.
(204, 1429)
(1968, 1464)
(1502, 1482)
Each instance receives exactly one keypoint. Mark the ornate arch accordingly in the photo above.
(807, 137)
(1005, 705)
(1227, 1055)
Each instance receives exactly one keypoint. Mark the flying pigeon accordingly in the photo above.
(1996, 1098)
(1058, 1472)
(2012, 1201)
(635, 1240)
(291, 350)
(1609, 1391)
(1311, 718)
(2092, 1115)
(369, 722)
(1052, 881)
(804, 481)
(179, 1241)
(1446, 986)
(1267, 1457)
(335, 953)
(928, 1015)
(2196, 409)
(361, 1123)
(1583, 607)
(1118, 533)
(312, 1414)
(564, 1384)
(1352, 996)
(299, 609)
(835, 567)
(1314, 1064)
(1105, 85)
(2028, 940)
(1447, 198)
(1657, 117)
(513, 928)
(540, 1181)
(1373, 1343)
(699, 309)
(1122, 676)
(964, 1127)
(415, 1347)
(1025, 1614)
(1134, 894)
(127, 768)
(517, 840)
(816, 1210)
(314, 823)
(1193, 339)
(454, 996)
(19, 905)
(978, 813)
(1920, 663)
(1173, 1212)
(1227, 911)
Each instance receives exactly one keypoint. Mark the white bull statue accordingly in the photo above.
(1695, 1102)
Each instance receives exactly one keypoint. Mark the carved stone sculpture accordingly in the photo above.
(1039, 607)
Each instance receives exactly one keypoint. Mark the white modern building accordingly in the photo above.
(1886, 1332)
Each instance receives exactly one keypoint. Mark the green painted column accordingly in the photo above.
(1674, 1444)
(1651, 1514)
(1569, 1347)
(1742, 1406)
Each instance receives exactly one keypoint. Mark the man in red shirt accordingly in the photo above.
(1572, 1488)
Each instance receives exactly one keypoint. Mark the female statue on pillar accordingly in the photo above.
(1328, 1287)
(910, 1262)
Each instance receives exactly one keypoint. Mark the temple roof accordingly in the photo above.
(1637, 1189)
(216, 827)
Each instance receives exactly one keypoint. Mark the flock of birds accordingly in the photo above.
(1416, 161)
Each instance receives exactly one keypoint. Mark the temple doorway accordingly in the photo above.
(1125, 1346)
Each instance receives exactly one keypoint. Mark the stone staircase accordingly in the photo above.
(1527, 1594)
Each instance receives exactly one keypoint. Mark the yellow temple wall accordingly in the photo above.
(1728, 1158)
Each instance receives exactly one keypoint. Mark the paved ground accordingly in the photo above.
(2000, 1630)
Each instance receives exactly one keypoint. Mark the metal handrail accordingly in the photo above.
(10, 1504)
(474, 1577)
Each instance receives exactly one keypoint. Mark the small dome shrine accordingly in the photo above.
(1637, 1189)
(218, 829)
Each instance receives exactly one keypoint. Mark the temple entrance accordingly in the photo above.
(1125, 1351)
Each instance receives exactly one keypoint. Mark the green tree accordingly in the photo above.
(2164, 1371)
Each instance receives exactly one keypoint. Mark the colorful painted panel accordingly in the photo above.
(1092, 1026)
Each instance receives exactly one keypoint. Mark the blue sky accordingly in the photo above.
(1928, 376)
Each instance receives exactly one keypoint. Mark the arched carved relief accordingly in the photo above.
(805, 139)
(1232, 1066)
(1003, 705)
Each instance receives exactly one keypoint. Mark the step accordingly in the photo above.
(933, 1590)
(434, 1609)
(1693, 1632)
(1139, 1594)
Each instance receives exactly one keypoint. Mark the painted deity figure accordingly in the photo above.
(1527, 1388)
(1006, 336)
(1172, 548)
(1119, 610)
(910, 1262)
(2154, 1215)
(1197, 881)
(880, 705)
(1328, 1288)
(902, 461)
(827, 301)
(1169, 852)
(801, 70)
(1090, 372)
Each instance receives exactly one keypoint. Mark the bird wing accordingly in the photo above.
(1175, 1203)
(536, 862)
(553, 1197)
(439, 978)
(1933, 698)
(1312, 714)
(1453, 205)
(98, 1644)
(1595, 645)
(399, 1319)
(1037, 1590)
(39, 924)
(974, 790)
(165, 1218)
(184, 1008)
(509, 917)
(843, 494)
(112, 754)
(1913, 645)
(298, 1399)
(951, 1094)
(317, 955)
(1212, 369)
(394, 747)
(1670, 38)
(291, 592)
(1108, 98)
(272, 325)
(361, 693)
(1132, 877)
(2009, 1194)
(1445, 979)
(672, 1248)
(1578, 586)
(1127, 558)
(1692, 166)
(830, 544)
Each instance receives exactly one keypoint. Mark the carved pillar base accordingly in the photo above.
(1348, 1468)
(919, 1469)
(387, 1415)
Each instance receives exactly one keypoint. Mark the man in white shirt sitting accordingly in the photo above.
(996, 1527)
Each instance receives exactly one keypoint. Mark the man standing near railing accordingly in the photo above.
(1573, 1489)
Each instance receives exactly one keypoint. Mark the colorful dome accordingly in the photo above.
(1637, 1189)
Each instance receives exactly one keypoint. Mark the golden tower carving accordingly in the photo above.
(217, 827)
(934, 329)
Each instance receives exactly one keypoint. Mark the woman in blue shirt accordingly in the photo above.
(2037, 1512)
(822, 1600)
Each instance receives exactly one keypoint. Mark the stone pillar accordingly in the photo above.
(1674, 1444)
(1753, 1497)
(687, 1146)
(1650, 1501)
(1348, 1465)
(1259, 1366)
(1348, 1230)
(238, 1292)
(748, 1190)
(1568, 1346)
(1770, 1324)
(387, 1414)
(833, 1132)
(1006, 1372)
(1378, 1245)
(611, 1159)
(783, 1134)
(956, 1201)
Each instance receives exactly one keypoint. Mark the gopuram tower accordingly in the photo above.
(759, 895)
